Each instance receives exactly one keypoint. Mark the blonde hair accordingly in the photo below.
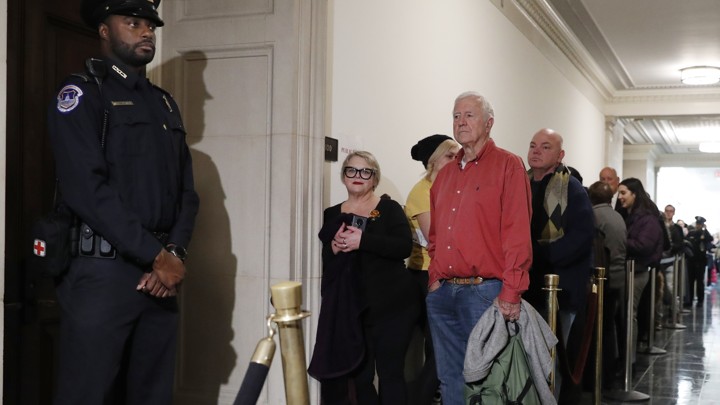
(369, 159)
(445, 147)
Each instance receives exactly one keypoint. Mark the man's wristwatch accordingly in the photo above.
(177, 251)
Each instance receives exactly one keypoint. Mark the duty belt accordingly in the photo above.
(92, 244)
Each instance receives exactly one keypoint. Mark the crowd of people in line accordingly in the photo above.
(480, 231)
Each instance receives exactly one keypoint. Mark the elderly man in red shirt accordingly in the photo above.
(479, 240)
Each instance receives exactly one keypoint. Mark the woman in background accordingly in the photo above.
(434, 152)
(644, 243)
(369, 303)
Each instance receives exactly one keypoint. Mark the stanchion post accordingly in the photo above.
(651, 349)
(651, 318)
(676, 292)
(600, 283)
(683, 285)
(628, 395)
(551, 286)
(630, 286)
(676, 303)
(287, 298)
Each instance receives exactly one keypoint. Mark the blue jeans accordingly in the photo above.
(453, 310)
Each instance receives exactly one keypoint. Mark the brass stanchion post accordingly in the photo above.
(600, 285)
(651, 349)
(683, 285)
(629, 343)
(676, 302)
(286, 298)
(551, 286)
(628, 395)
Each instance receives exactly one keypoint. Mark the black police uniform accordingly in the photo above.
(137, 192)
(700, 240)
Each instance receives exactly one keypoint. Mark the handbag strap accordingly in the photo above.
(525, 390)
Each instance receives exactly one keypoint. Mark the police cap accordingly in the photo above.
(94, 12)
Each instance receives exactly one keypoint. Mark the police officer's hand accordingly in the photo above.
(170, 270)
(150, 284)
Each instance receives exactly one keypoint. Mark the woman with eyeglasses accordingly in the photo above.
(369, 303)
(434, 151)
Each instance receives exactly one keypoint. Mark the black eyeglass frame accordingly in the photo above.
(357, 171)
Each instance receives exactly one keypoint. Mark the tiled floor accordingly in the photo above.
(689, 373)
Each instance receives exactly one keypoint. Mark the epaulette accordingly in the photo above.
(161, 89)
(85, 78)
(167, 97)
(95, 70)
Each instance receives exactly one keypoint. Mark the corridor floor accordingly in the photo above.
(689, 373)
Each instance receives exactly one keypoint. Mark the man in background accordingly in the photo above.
(609, 176)
(611, 236)
(562, 232)
(700, 240)
(562, 228)
(664, 301)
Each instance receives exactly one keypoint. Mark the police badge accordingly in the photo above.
(68, 98)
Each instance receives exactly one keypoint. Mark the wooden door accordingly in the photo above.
(46, 42)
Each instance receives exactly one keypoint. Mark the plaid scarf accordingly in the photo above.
(555, 204)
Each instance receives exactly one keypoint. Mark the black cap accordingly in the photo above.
(700, 220)
(94, 12)
(426, 147)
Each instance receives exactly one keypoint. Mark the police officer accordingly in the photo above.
(700, 240)
(125, 170)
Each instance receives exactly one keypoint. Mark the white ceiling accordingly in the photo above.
(639, 46)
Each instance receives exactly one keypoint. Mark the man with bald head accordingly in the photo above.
(609, 176)
(562, 228)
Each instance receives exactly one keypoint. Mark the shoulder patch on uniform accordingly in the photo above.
(68, 98)
(82, 76)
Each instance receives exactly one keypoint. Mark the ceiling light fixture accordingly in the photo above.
(698, 75)
(710, 147)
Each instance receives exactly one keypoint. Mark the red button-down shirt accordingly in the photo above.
(481, 221)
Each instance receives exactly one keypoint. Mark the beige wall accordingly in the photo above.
(398, 66)
(249, 77)
(639, 161)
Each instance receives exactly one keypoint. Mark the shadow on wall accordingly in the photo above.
(206, 357)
